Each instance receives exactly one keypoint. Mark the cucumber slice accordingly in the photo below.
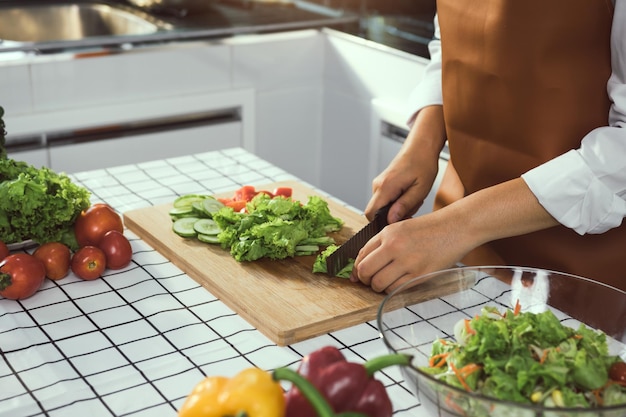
(211, 205)
(180, 212)
(208, 238)
(188, 199)
(206, 227)
(198, 208)
(184, 226)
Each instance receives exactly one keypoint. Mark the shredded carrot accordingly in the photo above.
(460, 377)
(518, 308)
(468, 369)
(597, 393)
(438, 360)
(577, 336)
(544, 356)
(468, 328)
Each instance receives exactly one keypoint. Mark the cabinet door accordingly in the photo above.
(35, 157)
(141, 148)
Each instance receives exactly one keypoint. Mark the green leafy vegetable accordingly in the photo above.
(319, 266)
(38, 204)
(276, 228)
(527, 358)
(3, 151)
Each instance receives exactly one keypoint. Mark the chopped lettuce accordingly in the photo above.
(319, 266)
(276, 228)
(527, 358)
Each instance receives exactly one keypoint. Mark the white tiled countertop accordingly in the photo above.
(136, 341)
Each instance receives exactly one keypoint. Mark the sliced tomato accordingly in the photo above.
(283, 191)
(245, 193)
(237, 205)
(225, 200)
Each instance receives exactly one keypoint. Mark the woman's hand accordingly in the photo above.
(440, 239)
(408, 249)
(409, 177)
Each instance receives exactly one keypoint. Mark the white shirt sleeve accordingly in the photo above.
(428, 90)
(585, 189)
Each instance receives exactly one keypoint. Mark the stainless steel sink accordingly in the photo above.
(70, 22)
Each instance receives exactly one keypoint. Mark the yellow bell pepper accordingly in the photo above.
(251, 393)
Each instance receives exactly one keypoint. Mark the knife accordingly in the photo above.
(350, 249)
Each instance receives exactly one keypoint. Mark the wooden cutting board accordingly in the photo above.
(283, 299)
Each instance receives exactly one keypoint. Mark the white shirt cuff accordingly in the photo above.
(571, 193)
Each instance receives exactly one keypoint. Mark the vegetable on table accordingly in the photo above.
(56, 258)
(88, 262)
(94, 222)
(346, 386)
(21, 275)
(250, 393)
(117, 249)
(37, 204)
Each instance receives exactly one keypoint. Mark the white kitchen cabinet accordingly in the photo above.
(345, 147)
(141, 148)
(288, 130)
(73, 81)
(36, 157)
(286, 72)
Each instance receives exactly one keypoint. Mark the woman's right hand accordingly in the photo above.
(409, 177)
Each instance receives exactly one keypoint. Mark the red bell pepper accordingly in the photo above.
(346, 386)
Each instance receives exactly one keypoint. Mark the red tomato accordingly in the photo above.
(237, 205)
(245, 193)
(283, 191)
(94, 222)
(21, 275)
(89, 262)
(56, 258)
(617, 372)
(117, 249)
(224, 200)
(4, 250)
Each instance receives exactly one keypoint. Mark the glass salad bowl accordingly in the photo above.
(456, 305)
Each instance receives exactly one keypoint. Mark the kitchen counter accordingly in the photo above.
(136, 341)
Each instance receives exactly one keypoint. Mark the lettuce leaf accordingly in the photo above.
(38, 204)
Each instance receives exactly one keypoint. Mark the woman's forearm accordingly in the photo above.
(504, 210)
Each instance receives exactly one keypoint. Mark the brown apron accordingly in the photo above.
(523, 82)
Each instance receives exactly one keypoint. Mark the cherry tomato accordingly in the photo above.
(21, 275)
(117, 249)
(4, 250)
(94, 222)
(617, 372)
(56, 258)
(283, 191)
(88, 262)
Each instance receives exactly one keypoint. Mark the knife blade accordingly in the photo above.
(350, 249)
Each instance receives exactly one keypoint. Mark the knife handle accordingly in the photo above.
(381, 216)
